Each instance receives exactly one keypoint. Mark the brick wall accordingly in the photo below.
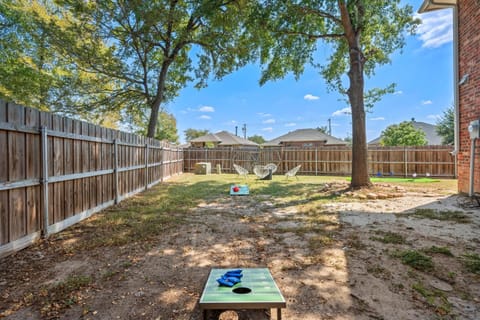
(469, 107)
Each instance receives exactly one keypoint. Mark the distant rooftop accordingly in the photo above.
(305, 135)
(433, 139)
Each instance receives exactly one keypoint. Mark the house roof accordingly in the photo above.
(431, 134)
(301, 135)
(224, 138)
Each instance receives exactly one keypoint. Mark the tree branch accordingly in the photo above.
(319, 13)
(311, 36)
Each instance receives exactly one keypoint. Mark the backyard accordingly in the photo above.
(405, 249)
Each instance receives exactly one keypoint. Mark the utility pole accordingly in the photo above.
(236, 131)
(329, 126)
(244, 129)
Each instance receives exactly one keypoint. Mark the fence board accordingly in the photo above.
(32, 155)
(16, 170)
(4, 210)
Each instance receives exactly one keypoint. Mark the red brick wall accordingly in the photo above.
(469, 107)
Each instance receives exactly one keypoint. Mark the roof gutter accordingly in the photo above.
(432, 5)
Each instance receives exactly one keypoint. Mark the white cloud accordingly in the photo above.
(398, 92)
(342, 112)
(290, 124)
(206, 109)
(269, 121)
(377, 119)
(268, 129)
(434, 116)
(310, 97)
(426, 102)
(204, 117)
(436, 28)
(264, 115)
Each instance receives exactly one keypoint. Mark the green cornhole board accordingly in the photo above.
(264, 292)
(244, 190)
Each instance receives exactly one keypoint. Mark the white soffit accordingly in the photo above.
(431, 5)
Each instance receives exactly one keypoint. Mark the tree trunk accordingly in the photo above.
(360, 177)
(155, 105)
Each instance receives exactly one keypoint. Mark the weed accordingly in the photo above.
(443, 215)
(440, 250)
(379, 272)
(389, 237)
(62, 295)
(416, 260)
(434, 298)
(320, 241)
(471, 261)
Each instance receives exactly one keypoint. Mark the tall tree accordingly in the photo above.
(257, 139)
(154, 48)
(32, 72)
(362, 35)
(403, 134)
(191, 133)
(446, 126)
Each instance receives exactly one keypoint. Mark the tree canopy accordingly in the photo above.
(154, 48)
(403, 134)
(191, 133)
(130, 57)
(257, 139)
(446, 126)
(361, 34)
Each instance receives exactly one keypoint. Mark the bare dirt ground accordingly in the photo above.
(344, 260)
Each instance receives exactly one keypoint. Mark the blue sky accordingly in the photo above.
(423, 73)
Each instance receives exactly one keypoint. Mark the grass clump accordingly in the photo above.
(471, 262)
(416, 260)
(443, 215)
(438, 250)
(62, 295)
(434, 298)
(389, 237)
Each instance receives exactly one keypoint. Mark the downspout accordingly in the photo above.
(456, 94)
(431, 5)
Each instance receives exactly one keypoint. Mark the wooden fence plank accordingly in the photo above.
(4, 205)
(33, 171)
(16, 170)
(68, 168)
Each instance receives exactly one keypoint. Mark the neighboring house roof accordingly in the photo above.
(433, 138)
(302, 135)
(207, 138)
(224, 138)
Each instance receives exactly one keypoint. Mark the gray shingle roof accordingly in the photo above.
(305, 135)
(431, 134)
(224, 138)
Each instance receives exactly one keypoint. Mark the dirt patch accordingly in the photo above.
(341, 260)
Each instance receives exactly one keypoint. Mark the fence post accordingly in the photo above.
(162, 156)
(316, 161)
(44, 180)
(146, 166)
(115, 169)
(405, 162)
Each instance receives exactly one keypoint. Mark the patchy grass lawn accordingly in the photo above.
(395, 251)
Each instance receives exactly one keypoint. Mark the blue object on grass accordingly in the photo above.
(242, 190)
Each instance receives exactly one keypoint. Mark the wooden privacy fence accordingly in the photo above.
(55, 171)
(435, 161)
